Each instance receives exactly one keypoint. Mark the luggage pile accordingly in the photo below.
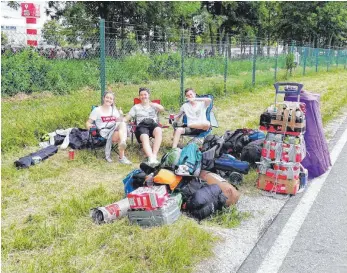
(283, 149)
(156, 195)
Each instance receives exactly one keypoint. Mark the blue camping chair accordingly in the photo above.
(210, 117)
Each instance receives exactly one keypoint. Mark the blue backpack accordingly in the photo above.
(128, 181)
(191, 156)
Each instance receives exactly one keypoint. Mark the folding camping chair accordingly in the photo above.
(133, 123)
(210, 117)
(95, 140)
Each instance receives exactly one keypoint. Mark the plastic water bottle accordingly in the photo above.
(149, 180)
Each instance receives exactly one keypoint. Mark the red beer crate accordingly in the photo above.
(148, 198)
(285, 186)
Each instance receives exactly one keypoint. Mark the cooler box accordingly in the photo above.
(165, 215)
(285, 186)
(148, 198)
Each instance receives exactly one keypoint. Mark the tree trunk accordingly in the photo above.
(211, 38)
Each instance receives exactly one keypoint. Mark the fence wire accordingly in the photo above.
(166, 63)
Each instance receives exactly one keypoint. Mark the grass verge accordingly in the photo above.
(45, 222)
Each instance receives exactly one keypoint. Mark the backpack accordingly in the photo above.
(210, 142)
(252, 152)
(171, 158)
(234, 141)
(191, 157)
(128, 181)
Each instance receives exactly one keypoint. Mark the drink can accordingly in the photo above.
(71, 155)
(303, 178)
(110, 212)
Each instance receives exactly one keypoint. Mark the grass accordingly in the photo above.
(46, 225)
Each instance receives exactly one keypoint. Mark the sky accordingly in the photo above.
(11, 17)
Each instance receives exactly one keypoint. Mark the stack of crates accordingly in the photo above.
(280, 168)
(152, 206)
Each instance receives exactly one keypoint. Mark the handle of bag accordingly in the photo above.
(288, 91)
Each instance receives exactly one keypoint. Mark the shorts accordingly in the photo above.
(147, 130)
(192, 131)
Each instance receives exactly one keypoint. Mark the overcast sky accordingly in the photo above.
(11, 17)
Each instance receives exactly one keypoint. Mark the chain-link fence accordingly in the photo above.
(166, 63)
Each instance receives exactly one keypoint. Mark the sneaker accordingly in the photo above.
(153, 162)
(109, 160)
(122, 145)
(124, 160)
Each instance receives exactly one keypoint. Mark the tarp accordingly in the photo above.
(317, 160)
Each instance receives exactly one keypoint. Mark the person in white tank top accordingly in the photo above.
(195, 110)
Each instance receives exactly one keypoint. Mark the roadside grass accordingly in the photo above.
(46, 225)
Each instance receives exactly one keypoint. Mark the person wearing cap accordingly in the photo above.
(195, 110)
(146, 118)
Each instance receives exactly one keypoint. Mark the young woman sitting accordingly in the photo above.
(109, 121)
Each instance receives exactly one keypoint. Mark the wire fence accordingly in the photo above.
(167, 62)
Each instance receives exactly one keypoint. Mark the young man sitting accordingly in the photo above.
(146, 116)
(195, 111)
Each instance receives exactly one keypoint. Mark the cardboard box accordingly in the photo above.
(285, 186)
(148, 198)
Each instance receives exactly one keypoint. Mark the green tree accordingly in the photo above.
(4, 39)
(53, 33)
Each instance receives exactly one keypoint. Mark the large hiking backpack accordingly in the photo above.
(191, 157)
(211, 149)
(252, 152)
(234, 141)
(171, 158)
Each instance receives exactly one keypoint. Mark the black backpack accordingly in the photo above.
(234, 141)
(252, 152)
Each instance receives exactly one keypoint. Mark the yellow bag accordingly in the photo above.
(167, 177)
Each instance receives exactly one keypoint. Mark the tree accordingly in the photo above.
(53, 33)
(4, 39)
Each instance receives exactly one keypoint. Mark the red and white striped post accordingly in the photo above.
(31, 12)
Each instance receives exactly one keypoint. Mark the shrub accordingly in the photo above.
(165, 66)
(25, 71)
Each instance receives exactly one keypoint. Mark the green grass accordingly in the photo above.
(46, 225)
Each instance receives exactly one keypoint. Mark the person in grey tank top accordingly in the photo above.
(146, 117)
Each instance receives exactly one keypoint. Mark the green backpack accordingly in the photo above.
(170, 159)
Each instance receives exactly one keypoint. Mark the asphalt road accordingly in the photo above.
(315, 241)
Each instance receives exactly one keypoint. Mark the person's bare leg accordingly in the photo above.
(202, 126)
(146, 145)
(122, 129)
(158, 137)
(178, 132)
(116, 139)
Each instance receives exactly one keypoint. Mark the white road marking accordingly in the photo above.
(274, 258)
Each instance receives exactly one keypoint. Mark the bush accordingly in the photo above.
(25, 71)
(165, 66)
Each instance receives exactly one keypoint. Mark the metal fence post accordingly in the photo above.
(254, 60)
(102, 58)
(305, 58)
(327, 58)
(182, 67)
(316, 52)
(337, 58)
(276, 61)
(226, 63)
(345, 53)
